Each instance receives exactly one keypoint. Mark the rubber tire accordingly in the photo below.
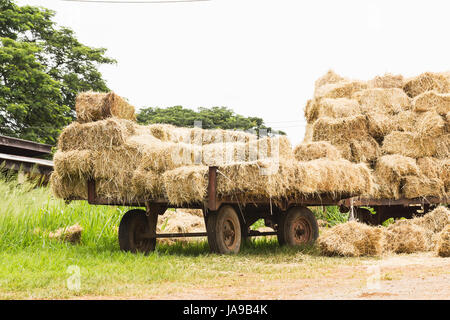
(214, 229)
(285, 233)
(131, 222)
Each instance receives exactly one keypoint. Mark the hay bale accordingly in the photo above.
(405, 237)
(416, 187)
(333, 108)
(434, 221)
(96, 135)
(404, 121)
(316, 150)
(93, 106)
(340, 130)
(393, 167)
(342, 89)
(443, 244)
(70, 234)
(443, 147)
(387, 101)
(430, 124)
(269, 180)
(409, 144)
(186, 184)
(417, 234)
(352, 239)
(365, 149)
(380, 125)
(389, 170)
(74, 163)
(328, 78)
(386, 81)
(432, 101)
(309, 132)
(68, 187)
(427, 81)
(430, 167)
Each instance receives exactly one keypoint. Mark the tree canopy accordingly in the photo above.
(42, 68)
(211, 118)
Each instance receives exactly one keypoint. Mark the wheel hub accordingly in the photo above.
(229, 233)
(302, 231)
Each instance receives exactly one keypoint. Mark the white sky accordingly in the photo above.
(258, 57)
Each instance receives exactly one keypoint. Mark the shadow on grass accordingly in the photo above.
(254, 247)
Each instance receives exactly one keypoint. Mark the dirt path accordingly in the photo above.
(418, 276)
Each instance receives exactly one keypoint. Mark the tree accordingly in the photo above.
(42, 68)
(215, 117)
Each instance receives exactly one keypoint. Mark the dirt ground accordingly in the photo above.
(416, 276)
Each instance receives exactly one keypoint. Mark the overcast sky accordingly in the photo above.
(258, 57)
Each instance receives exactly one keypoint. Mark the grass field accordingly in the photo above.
(34, 266)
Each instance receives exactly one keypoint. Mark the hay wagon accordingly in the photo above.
(228, 219)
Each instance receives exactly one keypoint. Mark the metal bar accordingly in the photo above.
(390, 202)
(92, 195)
(254, 233)
(181, 235)
(23, 147)
(212, 184)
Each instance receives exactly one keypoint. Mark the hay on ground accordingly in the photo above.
(316, 150)
(70, 234)
(405, 237)
(93, 106)
(352, 239)
(443, 244)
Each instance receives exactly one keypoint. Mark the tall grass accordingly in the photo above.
(29, 213)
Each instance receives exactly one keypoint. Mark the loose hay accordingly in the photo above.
(352, 239)
(443, 245)
(405, 237)
(70, 234)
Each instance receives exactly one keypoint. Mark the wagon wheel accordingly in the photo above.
(133, 226)
(224, 231)
(298, 226)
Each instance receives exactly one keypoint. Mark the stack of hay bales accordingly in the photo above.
(131, 162)
(427, 233)
(399, 127)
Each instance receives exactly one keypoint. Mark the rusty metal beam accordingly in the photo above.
(22, 147)
(212, 185)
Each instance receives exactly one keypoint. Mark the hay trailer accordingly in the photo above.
(389, 208)
(227, 219)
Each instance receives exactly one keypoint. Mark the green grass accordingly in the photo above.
(34, 266)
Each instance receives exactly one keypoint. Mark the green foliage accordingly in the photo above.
(331, 214)
(42, 68)
(211, 118)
